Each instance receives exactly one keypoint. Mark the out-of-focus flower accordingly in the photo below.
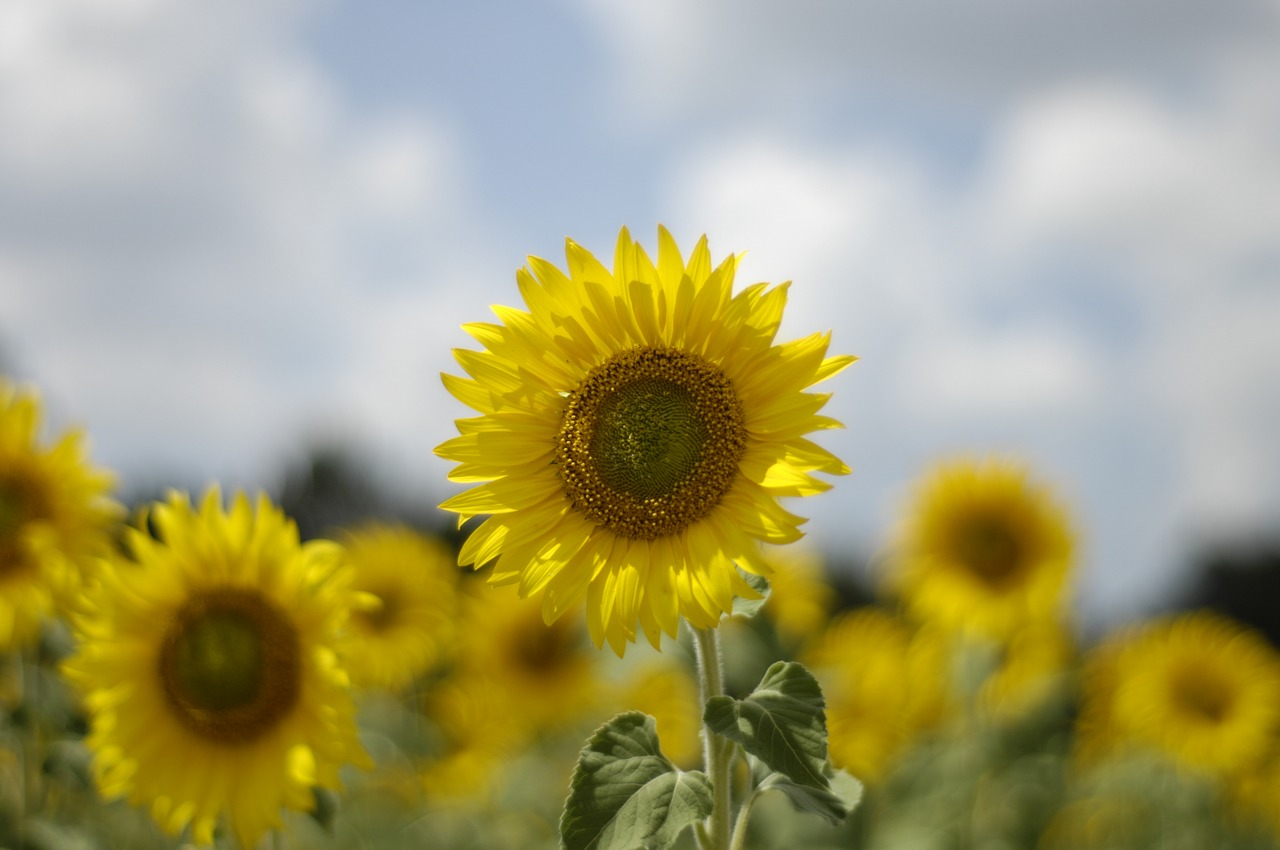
(666, 692)
(1031, 663)
(1198, 688)
(407, 622)
(55, 518)
(209, 666)
(885, 683)
(478, 728)
(1255, 794)
(801, 599)
(983, 550)
(1114, 822)
(637, 428)
(547, 673)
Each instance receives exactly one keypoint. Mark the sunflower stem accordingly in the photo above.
(717, 752)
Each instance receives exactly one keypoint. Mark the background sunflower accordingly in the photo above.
(219, 640)
(407, 621)
(982, 549)
(56, 517)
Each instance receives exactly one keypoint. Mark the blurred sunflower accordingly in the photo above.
(210, 667)
(1111, 822)
(1031, 663)
(982, 549)
(544, 669)
(801, 598)
(408, 622)
(475, 735)
(1198, 688)
(1254, 795)
(55, 518)
(637, 428)
(667, 693)
(884, 683)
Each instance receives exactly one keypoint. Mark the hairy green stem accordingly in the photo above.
(740, 825)
(717, 752)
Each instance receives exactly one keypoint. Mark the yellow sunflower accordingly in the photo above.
(983, 549)
(408, 622)
(210, 667)
(1198, 688)
(548, 670)
(800, 598)
(667, 693)
(884, 683)
(1031, 664)
(55, 517)
(637, 428)
(1254, 796)
(478, 728)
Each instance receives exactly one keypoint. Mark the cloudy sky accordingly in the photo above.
(230, 230)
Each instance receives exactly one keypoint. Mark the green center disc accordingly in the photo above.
(231, 664)
(648, 438)
(650, 441)
(989, 548)
(21, 502)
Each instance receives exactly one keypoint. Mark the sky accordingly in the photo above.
(230, 232)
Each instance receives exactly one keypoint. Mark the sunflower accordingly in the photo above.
(801, 598)
(55, 517)
(475, 735)
(210, 664)
(1030, 665)
(667, 693)
(1254, 796)
(545, 669)
(637, 428)
(884, 683)
(983, 550)
(408, 625)
(1198, 688)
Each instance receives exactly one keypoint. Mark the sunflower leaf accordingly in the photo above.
(834, 803)
(783, 723)
(751, 607)
(626, 795)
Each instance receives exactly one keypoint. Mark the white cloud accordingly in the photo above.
(1180, 194)
(682, 64)
(1162, 421)
(194, 223)
(1011, 375)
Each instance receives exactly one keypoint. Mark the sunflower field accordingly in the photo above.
(624, 644)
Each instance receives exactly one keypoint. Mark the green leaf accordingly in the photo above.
(751, 607)
(833, 803)
(782, 723)
(626, 795)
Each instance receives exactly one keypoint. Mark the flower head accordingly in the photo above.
(637, 426)
(410, 586)
(55, 517)
(1198, 688)
(983, 550)
(801, 598)
(668, 693)
(548, 672)
(210, 665)
(885, 684)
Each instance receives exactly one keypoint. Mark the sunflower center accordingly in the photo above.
(231, 665)
(650, 441)
(541, 649)
(20, 504)
(385, 616)
(1203, 695)
(990, 550)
